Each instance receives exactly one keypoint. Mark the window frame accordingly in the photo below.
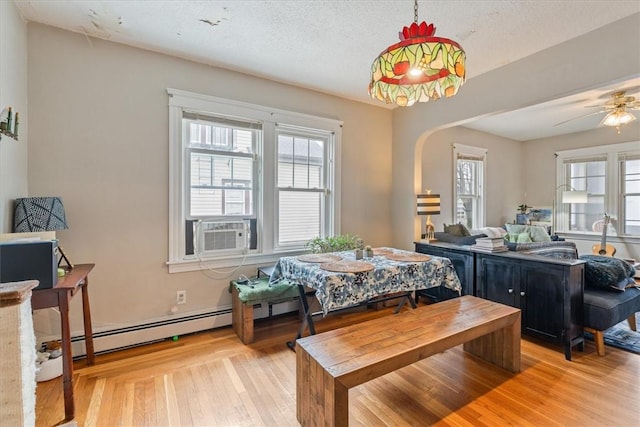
(461, 151)
(327, 180)
(180, 101)
(613, 197)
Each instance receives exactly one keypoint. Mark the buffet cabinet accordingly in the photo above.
(549, 291)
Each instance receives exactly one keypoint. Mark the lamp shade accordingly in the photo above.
(575, 197)
(618, 117)
(418, 68)
(39, 214)
(428, 204)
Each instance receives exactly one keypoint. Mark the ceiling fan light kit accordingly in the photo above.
(418, 68)
(617, 118)
(617, 111)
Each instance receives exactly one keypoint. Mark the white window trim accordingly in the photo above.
(180, 100)
(329, 221)
(611, 204)
(475, 152)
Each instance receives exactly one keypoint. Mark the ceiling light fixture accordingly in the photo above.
(418, 68)
(618, 117)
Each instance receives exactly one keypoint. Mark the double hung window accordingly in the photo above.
(274, 171)
(610, 174)
(469, 194)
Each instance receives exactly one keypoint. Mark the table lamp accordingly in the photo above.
(33, 214)
(429, 204)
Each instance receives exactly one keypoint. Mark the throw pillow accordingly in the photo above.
(456, 230)
(518, 238)
(606, 272)
(539, 234)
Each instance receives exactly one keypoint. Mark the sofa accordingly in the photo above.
(547, 279)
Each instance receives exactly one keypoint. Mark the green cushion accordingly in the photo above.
(259, 290)
(518, 237)
(536, 233)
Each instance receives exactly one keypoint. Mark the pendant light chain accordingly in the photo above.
(415, 11)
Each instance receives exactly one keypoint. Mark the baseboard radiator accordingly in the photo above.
(134, 335)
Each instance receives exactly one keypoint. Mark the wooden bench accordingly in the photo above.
(329, 364)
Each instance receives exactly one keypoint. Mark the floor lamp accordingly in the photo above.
(570, 196)
(429, 204)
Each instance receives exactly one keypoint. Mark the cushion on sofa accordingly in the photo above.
(607, 273)
(457, 230)
(458, 240)
(518, 238)
(536, 232)
(603, 309)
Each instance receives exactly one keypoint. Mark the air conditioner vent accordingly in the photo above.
(215, 237)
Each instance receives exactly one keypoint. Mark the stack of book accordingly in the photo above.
(490, 244)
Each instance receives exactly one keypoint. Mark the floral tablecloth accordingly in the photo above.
(339, 290)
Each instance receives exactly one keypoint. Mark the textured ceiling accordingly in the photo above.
(327, 46)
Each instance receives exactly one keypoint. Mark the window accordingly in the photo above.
(469, 198)
(630, 194)
(221, 164)
(302, 187)
(230, 161)
(585, 174)
(610, 175)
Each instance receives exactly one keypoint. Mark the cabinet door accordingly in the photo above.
(541, 301)
(462, 261)
(497, 279)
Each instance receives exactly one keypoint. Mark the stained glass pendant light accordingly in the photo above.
(418, 68)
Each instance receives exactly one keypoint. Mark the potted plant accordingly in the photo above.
(343, 242)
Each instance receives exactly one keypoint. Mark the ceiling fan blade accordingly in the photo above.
(581, 117)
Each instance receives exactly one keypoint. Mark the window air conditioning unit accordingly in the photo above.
(216, 237)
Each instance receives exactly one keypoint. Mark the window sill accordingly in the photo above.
(235, 261)
(587, 236)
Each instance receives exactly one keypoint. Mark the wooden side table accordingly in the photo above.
(242, 308)
(76, 279)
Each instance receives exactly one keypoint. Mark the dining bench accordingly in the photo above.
(330, 363)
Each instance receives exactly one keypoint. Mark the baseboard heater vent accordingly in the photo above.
(132, 336)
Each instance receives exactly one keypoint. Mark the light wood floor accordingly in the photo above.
(212, 379)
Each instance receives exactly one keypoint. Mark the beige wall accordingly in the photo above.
(13, 92)
(99, 139)
(556, 72)
(504, 174)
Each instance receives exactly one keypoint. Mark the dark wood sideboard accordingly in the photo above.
(549, 291)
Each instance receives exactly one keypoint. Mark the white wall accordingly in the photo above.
(504, 174)
(13, 92)
(99, 139)
(550, 74)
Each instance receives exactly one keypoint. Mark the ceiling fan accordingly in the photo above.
(616, 109)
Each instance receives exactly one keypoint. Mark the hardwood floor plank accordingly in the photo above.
(93, 409)
(212, 379)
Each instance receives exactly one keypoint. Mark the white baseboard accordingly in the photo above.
(136, 334)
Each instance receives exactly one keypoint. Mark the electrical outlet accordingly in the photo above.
(181, 297)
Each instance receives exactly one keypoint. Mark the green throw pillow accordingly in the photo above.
(539, 234)
(536, 233)
(518, 238)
